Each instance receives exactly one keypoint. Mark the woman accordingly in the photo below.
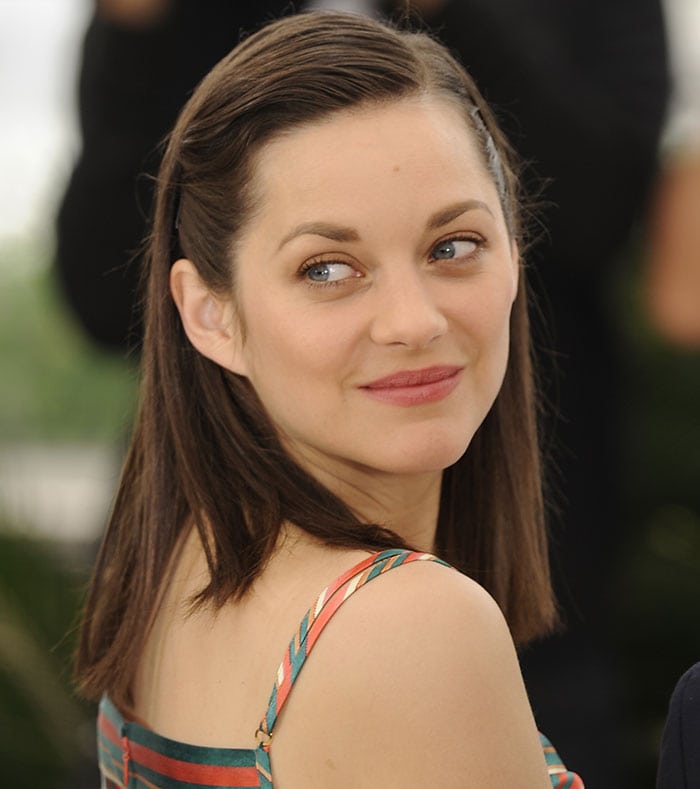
(336, 386)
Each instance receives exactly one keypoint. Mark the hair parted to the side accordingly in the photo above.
(204, 452)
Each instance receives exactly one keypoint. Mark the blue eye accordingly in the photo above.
(454, 248)
(329, 272)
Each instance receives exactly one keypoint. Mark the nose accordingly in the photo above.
(407, 312)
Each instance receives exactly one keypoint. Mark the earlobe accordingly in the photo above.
(209, 320)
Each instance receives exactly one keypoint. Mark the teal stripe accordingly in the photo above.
(304, 629)
(388, 554)
(110, 711)
(375, 570)
(271, 714)
(296, 657)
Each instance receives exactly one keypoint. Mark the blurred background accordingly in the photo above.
(66, 406)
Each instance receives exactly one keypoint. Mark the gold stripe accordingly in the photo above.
(109, 774)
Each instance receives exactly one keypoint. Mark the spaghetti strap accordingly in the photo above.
(311, 627)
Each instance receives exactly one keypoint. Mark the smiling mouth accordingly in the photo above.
(415, 387)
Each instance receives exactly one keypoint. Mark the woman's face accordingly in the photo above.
(375, 283)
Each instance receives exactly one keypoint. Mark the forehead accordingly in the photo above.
(412, 153)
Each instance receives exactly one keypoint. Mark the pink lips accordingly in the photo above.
(415, 387)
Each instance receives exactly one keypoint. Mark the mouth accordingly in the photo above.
(415, 387)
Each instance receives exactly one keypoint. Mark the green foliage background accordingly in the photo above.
(55, 385)
(54, 388)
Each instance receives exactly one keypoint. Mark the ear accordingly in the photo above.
(210, 321)
(515, 262)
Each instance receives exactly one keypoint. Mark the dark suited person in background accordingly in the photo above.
(679, 765)
(141, 60)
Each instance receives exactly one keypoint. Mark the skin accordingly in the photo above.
(134, 13)
(415, 681)
(673, 274)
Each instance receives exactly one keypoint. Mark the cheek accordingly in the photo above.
(294, 349)
(485, 316)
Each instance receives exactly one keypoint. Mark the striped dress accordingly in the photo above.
(132, 756)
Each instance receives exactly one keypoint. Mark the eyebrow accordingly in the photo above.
(343, 233)
(325, 229)
(446, 215)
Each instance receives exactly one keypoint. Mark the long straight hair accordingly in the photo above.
(204, 453)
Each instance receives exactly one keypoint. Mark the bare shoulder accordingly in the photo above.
(414, 683)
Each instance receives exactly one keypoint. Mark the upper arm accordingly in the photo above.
(415, 683)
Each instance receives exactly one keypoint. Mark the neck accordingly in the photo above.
(406, 504)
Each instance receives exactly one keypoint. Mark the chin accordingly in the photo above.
(431, 457)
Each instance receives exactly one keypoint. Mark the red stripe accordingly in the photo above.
(285, 688)
(109, 729)
(576, 782)
(321, 621)
(208, 774)
(126, 756)
(351, 573)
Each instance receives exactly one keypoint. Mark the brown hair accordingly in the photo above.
(204, 452)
